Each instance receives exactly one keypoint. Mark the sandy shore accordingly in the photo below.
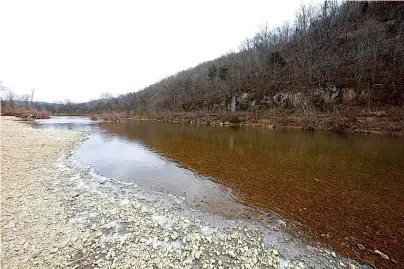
(56, 213)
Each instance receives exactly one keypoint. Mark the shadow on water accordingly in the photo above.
(344, 189)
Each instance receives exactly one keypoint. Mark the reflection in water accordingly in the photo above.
(347, 189)
(128, 160)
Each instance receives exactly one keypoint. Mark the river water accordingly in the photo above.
(344, 190)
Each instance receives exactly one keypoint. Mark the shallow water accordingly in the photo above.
(343, 189)
(116, 156)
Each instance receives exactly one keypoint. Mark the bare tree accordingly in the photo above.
(2, 87)
(32, 95)
(10, 97)
(25, 99)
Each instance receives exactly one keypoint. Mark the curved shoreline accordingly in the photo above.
(56, 213)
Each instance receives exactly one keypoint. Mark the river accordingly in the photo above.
(344, 190)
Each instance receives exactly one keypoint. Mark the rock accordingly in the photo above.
(9, 225)
(63, 244)
(174, 235)
(348, 95)
(54, 250)
(351, 266)
(361, 247)
(198, 254)
(384, 256)
(35, 254)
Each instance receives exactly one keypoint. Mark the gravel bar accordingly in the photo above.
(57, 213)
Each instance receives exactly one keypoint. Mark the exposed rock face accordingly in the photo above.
(348, 95)
(233, 104)
(290, 99)
(329, 94)
(283, 99)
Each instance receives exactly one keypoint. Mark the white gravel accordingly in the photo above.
(56, 213)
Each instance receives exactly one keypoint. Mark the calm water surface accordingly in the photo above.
(344, 189)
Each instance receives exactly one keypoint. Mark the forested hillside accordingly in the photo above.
(332, 52)
(333, 55)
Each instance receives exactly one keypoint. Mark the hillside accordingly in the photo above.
(333, 62)
(331, 54)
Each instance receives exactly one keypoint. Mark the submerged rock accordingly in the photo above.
(384, 256)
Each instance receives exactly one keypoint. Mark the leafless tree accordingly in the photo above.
(25, 99)
(2, 87)
(32, 95)
(10, 97)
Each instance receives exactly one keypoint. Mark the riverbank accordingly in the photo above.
(385, 120)
(356, 119)
(24, 112)
(57, 214)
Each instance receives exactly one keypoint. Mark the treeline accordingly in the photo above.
(354, 45)
(332, 53)
(22, 106)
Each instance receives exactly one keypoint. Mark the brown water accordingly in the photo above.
(344, 189)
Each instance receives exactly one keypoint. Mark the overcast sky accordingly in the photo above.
(78, 49)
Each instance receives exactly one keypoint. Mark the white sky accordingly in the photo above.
(78, 49)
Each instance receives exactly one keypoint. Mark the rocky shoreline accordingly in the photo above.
(387, 120)
(56, 213)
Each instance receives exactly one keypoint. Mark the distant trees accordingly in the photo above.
(21, 106)
(25, 99)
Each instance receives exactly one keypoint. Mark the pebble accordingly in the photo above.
(361, 247)
(198, 254)
(384, 256)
